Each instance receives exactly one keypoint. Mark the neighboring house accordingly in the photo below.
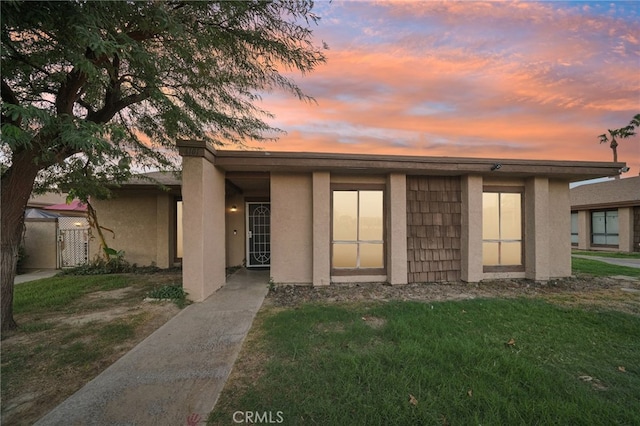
(142, 220)
(322, 218)
(56, 233)
(606, 215)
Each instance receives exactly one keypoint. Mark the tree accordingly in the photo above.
(621, 133)
(88, 88)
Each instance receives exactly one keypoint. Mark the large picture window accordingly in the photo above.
(357, 240)
(604, 228)
(502, 229)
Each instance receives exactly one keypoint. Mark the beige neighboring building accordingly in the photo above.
(318, 219)
(141, 220)
(606, 215)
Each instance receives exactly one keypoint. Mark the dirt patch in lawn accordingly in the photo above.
(54, 354)
(620, 293)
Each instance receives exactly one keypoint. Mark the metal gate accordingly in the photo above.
(73, 241)
(258, 234)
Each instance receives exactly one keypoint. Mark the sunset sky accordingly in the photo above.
(534, 80)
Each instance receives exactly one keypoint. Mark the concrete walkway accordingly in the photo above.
(620, 261)
(35, 275)
(175, 376)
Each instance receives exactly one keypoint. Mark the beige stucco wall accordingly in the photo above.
(203, 197)
(625, 229)
(291, 228)
(471, 238)
(132, 218)
(559, 229)
(40, 244)
(236, 234)
(141, 222)
(321, 193)
(397, 229)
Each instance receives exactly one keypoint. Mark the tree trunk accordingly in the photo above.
(614, 148)
(16, 186)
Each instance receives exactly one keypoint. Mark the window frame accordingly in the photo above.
(591, 233)
(360, 187)
(508, 190)
(174, 231)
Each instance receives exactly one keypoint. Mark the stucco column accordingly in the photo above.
(536, 230)
(203, 221)
(321, 183)
(471, 239)
(397, 223)
(625, 229)
(584, 230)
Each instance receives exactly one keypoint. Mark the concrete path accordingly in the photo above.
(175, 376)
(35, 275)
(620, 261)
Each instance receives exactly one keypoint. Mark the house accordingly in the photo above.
(142, 220)
(317, 219)
(606, 215)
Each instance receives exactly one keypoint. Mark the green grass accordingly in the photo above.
(325, 365)
(56, 293)
(620, 255)
(601, 269)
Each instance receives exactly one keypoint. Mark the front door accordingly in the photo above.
(258, 234)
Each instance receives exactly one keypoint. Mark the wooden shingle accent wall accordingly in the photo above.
(434, 218)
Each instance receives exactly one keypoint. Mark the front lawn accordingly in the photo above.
(494, 362)
(70, 329)
(601, 269)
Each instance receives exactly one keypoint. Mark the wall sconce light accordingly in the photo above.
(624, 170)
(78, 224)
(496, 167)
(234, 208)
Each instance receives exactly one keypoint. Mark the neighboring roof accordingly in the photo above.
(40, 214)
(263, 161)
(613, 193)
(75, 205)
(47, 199)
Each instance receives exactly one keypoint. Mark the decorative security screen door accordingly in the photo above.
(258, 234)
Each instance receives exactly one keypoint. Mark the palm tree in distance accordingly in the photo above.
(621, 133)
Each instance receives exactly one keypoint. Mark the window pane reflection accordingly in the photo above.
(370, 225)
(358, 229)
(345, 215)
(501, 228)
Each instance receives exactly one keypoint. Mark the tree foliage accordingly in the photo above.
(116, 80)
(89, 88)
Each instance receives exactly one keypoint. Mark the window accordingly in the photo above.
(604, 227)
(357, 241)
(502, 229)
(574, 228)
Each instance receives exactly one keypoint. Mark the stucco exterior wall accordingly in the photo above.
(559, 229)
(142, 222)
(203, 196)
(235, 234)
(132, 216)
(40, 243)
(291, 228)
